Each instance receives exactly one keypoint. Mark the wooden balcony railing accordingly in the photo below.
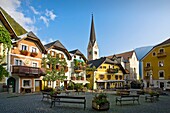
(110, 70)
(148, 68)
(28, 71)
(163, 54)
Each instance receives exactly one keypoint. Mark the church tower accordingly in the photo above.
(92, 49)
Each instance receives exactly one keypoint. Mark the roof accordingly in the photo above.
(92, 33)
(102, 60)
(142, 51)
(125, 55)
(59, 46)
(31, 36)
(164, 42)
(77, 52)
(7, 26)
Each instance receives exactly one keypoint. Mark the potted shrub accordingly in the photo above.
(100, 102)
(24, 52)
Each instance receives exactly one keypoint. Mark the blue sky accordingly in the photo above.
(120, 25)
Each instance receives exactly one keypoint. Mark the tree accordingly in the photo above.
(5, 40)
(53, 74)
(91, 69)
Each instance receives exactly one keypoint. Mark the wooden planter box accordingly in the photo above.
(34, 54)
(24, 52)
(73, 78)
(102, 107)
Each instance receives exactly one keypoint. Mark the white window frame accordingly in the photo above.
(148, 63)
(24, 45)
(27, 86)
(36, 49)
(33, 63)
(162, 49)
(159, 74)
(22, 63)
(153, 53)
(161, 65)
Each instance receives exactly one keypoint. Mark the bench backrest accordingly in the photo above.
(126, 96)
(70, 97)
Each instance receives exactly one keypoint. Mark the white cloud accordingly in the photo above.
(45, 20)
(50, 14)
(47, 41)
(11, 7)
(34, 10)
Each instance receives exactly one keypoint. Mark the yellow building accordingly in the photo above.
(156, 66)
(107, 74)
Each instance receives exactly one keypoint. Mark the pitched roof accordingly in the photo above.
(142, 51)
(106, 60)
(92, 33)
(77, 52)
(164, 42)
(31, 36)
(58, 45)
(7, 25)
(125, 55)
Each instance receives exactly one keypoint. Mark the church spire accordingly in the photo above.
(92, 33)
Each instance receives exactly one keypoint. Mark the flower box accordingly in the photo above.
(24, 52)
(101, 107)
(33, 54)
(73, 78)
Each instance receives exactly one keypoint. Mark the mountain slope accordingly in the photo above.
(19, 30)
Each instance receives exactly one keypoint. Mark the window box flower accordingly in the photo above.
(33, 54)
(24, 52)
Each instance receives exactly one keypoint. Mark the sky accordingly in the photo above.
(120, 25)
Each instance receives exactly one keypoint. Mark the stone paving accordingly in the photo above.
(31, 103)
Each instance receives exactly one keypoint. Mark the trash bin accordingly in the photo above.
(10, 89)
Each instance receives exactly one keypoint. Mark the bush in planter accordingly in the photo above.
(78, 86)
(100, 102)
(71, 86)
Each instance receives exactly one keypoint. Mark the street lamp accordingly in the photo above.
(151, 79)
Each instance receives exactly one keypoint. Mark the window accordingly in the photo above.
(80, 57)
(26, 83)
(120, 77)
(154, 54)
(161, 63)
(34, 50)
(74, 56)
(104, 67)
(100, 67)
(116, 77)
(34, 64)
(52, 53)
(148, 64)
(101, 77)
(95, 52)
(161, 74)
(88, 76)
(161, 51)
(23, 47)
(108, 77)
(18, 62)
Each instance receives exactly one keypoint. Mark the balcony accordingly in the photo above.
(162, 54)
(148, 68)
(111, 70)
(28, 71)
(78, 69)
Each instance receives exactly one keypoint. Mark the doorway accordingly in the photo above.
(37, 85)
(11, 81)
(161, 85)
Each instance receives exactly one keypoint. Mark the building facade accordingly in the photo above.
(25, 64)
(156, 66)
(107, 74)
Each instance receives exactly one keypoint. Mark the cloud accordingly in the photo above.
(47, 41)
(34, 10)
(50, 14)
(11, 7)
(45, 20)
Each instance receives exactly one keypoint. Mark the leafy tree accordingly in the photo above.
(5, 40)
(53, 74)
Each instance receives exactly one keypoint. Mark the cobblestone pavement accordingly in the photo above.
(31, 103)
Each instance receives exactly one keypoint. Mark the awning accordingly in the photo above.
(110, 80)
(80, 81)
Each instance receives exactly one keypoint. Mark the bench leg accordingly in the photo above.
(84, 104)
(51, 104)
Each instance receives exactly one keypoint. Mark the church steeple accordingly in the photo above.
(92, 33)
(92, 50)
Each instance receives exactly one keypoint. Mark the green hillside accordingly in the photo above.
(19, 30)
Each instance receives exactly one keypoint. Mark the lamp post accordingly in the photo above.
(151, 79)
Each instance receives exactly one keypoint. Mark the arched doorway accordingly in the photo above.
(11, 81)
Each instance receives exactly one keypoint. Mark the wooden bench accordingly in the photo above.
(68, 99)
(127, 98)
(46, 95)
